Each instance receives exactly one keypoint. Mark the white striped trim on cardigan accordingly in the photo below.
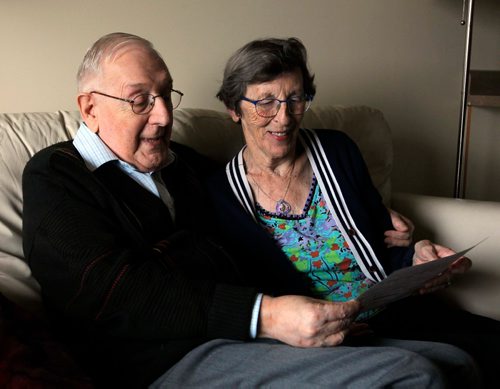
(235, 171)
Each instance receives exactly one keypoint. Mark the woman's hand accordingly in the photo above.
(403, 230)
(306, 322)
(426, 251)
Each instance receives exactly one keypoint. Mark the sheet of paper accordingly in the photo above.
(406, 281)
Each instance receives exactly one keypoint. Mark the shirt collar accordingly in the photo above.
(92, 149)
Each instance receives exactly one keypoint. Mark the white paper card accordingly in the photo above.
(406, 281)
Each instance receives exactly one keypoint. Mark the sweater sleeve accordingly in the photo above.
(363, 199)
(97, 270)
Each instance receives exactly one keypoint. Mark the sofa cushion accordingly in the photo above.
(21, 135)
(371, 132)
(211, 133)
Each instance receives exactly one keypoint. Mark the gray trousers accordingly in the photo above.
(379, 363)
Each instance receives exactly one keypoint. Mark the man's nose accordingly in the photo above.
(161, 114)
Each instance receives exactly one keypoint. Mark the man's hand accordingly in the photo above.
(306, 322)
(403, 230)
(426, 251)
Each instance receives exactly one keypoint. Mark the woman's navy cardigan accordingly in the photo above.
(345, 181)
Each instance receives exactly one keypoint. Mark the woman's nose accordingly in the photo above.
(283, 114)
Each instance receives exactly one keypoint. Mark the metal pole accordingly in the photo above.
(459, 190)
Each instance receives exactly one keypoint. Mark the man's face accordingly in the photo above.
(141, 140)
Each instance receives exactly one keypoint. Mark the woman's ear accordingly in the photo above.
(234, 115)
(87, 111)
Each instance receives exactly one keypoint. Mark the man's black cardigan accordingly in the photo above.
(127, 288)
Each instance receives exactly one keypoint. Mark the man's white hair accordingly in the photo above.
(105, 48)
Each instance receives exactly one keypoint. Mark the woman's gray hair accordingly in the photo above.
(104, 49)
(262, 61)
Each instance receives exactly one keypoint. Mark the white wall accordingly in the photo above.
(404, 57)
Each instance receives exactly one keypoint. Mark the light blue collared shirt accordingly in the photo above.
(95, 153)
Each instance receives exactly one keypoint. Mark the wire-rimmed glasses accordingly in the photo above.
(143, 103)
(269, 107)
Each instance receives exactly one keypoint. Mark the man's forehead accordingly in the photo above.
(137, 61)
(134, 52)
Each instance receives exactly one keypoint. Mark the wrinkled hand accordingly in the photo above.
(306, 322)
(402, 234)
(426, 251)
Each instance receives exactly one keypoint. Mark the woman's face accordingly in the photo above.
(271, 139)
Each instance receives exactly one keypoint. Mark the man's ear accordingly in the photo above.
(87, 111)
(234, 115)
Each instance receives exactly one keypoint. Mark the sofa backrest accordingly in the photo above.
(210, 132)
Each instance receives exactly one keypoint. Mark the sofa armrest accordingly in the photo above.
(458, 224)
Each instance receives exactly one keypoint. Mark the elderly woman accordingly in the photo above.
(305, 198)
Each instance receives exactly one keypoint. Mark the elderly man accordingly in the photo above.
(115, 230)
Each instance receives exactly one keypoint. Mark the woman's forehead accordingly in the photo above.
(287, 82)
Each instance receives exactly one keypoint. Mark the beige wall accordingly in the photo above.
(404, 57)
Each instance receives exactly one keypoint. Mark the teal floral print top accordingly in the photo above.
(315, 245)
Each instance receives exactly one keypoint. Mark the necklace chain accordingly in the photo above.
(282, 206)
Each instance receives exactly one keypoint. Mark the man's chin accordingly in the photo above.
(152, 161)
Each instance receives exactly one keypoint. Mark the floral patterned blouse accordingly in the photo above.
(316, 247)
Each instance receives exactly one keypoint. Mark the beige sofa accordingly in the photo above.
(457, 223)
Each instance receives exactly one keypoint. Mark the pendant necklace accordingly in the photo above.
(282, 206)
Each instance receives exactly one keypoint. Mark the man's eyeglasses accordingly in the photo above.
(143, 104)
(268, 108)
